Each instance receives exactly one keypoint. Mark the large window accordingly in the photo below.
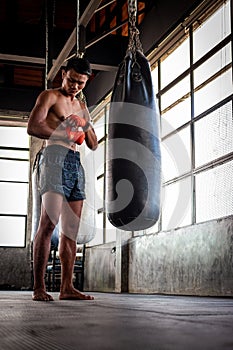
(14, 176)
(193, 86)
(194, 90)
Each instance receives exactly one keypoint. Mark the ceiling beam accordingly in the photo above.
(24, 59)
(41, 62)
(84, 20)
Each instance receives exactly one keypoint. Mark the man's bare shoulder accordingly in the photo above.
(55, 92)
(49, 96)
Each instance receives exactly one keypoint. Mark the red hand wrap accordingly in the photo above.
(76, 121)
(75, 136)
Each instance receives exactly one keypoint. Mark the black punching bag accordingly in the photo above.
(133, 148)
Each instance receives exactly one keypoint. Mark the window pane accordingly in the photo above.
(211, 32)
(99, 159)
(16, 154)
(176, 204)
(214, 135)
(99, 128)
(12, 231)
(213, 92)
(214, 193)
(14, 137)
(13, 170)
(154, 75)
(175, 155)
(107, 112)
(99, 193)
(176, 116)
(175, 64)
(178, 92)
(110, 232)
(212, 65)
(98, 239)
(152, 229)
(14, 198)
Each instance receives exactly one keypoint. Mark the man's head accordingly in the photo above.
(75, 75)
(80, 65)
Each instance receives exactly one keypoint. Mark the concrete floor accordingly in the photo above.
(115, 322)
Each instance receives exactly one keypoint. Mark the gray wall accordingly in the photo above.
(100, 267)
(195, 260)
(15, 268)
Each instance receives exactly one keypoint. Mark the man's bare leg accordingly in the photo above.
(41, 245)
(41, 250)
(67, 253)
(71, 213)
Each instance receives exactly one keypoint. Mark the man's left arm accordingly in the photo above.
(90, 138)
(90, 135)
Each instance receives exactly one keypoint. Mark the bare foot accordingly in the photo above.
(74, 294)
(41, 295)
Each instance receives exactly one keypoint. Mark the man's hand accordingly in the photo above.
(76, 136)
(74, 121)
(74, 128)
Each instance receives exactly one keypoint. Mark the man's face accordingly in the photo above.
(73, 82)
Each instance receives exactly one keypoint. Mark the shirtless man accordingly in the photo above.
(63, 121)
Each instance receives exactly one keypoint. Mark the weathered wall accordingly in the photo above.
(195, 260)
(100, 266)
(15, 268)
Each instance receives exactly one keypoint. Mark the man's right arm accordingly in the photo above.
(38, 124)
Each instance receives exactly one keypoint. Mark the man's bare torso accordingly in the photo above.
(64, 106)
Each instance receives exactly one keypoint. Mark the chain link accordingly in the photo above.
(134, 41)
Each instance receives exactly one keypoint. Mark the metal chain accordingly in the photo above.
(134, 40)
(77, 28)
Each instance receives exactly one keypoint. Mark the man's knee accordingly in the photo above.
(70, 230)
